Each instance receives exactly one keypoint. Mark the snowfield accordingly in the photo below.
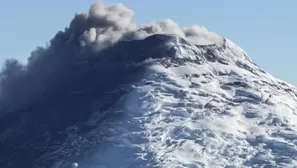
(227, 114)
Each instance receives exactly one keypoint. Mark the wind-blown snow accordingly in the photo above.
(212, 115)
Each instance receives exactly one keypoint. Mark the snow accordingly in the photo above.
(208, 115)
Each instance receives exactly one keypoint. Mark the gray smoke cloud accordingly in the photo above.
(105, 25)
(99, 28)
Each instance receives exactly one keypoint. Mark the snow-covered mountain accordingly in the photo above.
(158, 101)
(198, 106)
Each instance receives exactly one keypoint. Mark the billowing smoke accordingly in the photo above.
(100, 28)
(106, 25)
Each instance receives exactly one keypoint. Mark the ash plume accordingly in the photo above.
(103, 26)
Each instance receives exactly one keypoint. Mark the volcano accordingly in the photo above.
(105, 96)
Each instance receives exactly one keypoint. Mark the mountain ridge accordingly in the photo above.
(205, 68)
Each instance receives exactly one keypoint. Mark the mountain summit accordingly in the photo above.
(106, 94)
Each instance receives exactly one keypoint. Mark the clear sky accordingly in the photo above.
(265, 29)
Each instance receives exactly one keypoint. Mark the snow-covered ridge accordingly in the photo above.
(159, 102)
(220, 112)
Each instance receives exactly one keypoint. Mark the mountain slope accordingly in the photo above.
(221, 111)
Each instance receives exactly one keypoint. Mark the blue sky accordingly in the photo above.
(266, 30)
